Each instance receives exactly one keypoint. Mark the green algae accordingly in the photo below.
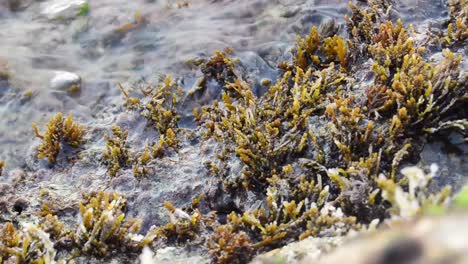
(461, 199)
(84, 10)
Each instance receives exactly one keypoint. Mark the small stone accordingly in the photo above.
(63, 9)
(20, 205)
(65, 81)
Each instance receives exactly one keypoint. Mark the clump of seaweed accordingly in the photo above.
(459, 18)
(186, 226)
(312, 150)
(59, 130)
(140, 164)
(407, 204)
(53, 226)
(455, 30)
(306, 48)
(158, 105)
(117, 154)
(219, 69)
(104, 226)
(2, 166)
(182, 227)
(363, 22)
(227, 246)
(336, 49)
(30, 245)
(315, 51)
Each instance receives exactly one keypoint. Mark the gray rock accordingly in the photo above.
(172, 255)
(62, 9)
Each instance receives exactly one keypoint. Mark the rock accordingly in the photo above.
(65, 81)
(296, 252)
(63, 9)
(18, 5)
(427, 240)
(172, 255)
(12, 5)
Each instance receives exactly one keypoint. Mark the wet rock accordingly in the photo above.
(298, 251)
(427, 240)
(18, 5)
(172, 255)
(12, 5)
(4, 206)
(17, 175)
(65, 81)
(63, 9)
(5, 188)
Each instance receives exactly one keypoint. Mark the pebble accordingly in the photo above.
(62, 9)
(65, 81)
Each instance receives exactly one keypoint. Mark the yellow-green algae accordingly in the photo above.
(59, 130)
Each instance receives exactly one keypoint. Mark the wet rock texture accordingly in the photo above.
(425, 240)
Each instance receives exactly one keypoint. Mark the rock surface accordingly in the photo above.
(427, 240)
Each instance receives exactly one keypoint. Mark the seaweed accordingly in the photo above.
(104, 226)
(2, 166)
(459, 19)
(59, 131)
(219, 67)
(318, 154)
(158, 105)
(140, 164)
(181, 228)
(227, 246)
(117, 154)
(312, 151)
(336, 49)
(417, 199)
(306, 48)
(30, 245)
(454, 32)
